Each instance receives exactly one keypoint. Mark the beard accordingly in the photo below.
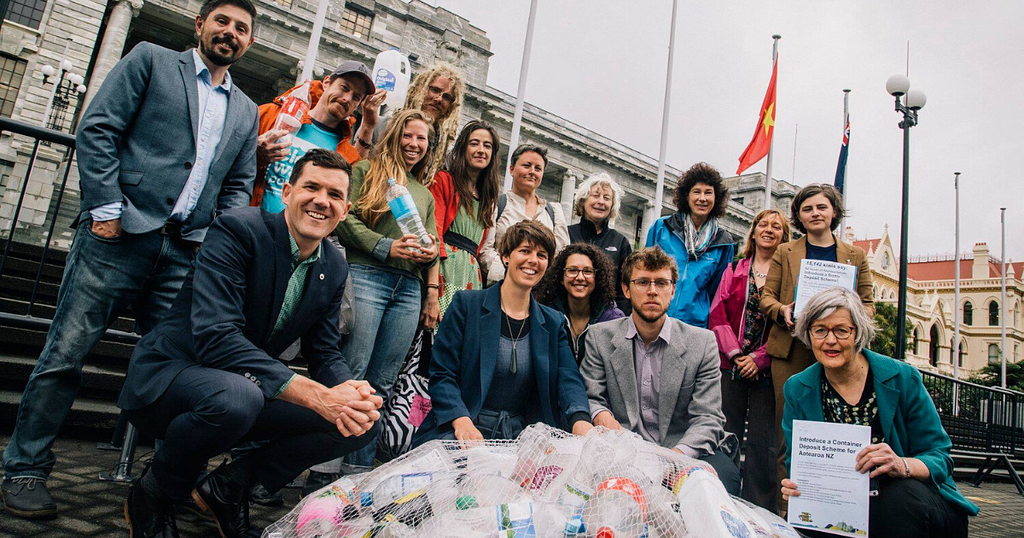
(210, 50)
(649, 317)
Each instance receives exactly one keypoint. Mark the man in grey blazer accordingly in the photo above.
(657, 376)
(167, 143)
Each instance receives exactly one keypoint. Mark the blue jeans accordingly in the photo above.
(387, 311)
(101, 279)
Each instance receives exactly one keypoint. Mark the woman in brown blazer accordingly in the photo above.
(817, 211)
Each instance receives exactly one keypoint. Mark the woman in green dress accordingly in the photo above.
(465, 194)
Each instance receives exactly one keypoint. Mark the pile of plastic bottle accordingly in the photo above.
(546, 483)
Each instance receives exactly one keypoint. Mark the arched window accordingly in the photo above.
(933, 346)
(963, 351)
(952, 350)
(993, 313)
(993, 354)
(917, 338)
(968, 313)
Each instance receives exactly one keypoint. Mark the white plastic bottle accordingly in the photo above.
(403, 207)
(391, 72)
(295, 106)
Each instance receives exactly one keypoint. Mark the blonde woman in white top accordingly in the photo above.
(522, 203)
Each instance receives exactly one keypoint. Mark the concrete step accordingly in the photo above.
(30, 342)
(15, 286)
(28, 267)
(86, 413)
(98, 381)
(45, 310)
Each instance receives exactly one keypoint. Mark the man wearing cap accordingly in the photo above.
(328, 125)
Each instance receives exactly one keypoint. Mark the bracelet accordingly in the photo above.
(364, 143)
(435, 286)
(906, 468)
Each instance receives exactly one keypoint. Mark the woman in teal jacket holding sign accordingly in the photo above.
(692, 236)
(909, 451)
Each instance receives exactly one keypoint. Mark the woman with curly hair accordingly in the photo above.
(581, 285)
(692, 236)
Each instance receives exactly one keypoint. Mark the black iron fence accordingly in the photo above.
(40, 136)
(978, 418)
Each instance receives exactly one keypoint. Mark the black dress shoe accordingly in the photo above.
(148, 516)
(316, 480)
(224, 498)
(28, 497)
(259, 495)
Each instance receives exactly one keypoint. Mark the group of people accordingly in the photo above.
(231, 244)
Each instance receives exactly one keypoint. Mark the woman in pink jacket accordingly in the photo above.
(742, 330)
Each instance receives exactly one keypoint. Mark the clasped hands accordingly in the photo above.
(352, 406)
(879, 459)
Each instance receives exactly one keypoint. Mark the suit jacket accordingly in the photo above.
(780, 288)
(226, 310)
(690, 396)
(910, 424)
(465, 354)
(137, 143)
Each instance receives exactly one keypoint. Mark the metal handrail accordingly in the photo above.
(39, 134)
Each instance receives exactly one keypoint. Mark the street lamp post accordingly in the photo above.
(60, 95)
(899, 86)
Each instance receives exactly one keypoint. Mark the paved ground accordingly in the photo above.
(90, 508)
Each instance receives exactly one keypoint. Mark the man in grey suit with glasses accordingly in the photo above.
(167, 143)
(657, 376)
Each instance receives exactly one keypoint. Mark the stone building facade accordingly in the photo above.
(930, 304)
(355, 29)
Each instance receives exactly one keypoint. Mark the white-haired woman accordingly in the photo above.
(597, 204)
(909, 450)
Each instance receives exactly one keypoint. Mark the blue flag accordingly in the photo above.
(841, 167)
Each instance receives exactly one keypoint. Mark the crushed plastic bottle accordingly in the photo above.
(294, 108)
(403, 207)
(617, 509)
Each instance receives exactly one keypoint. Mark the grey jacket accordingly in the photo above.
(136, 144)
(690, 396)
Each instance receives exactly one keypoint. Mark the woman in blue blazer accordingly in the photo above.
(501, 361)
(909, 450)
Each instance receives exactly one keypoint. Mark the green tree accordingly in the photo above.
(884, 341)
(990, 376)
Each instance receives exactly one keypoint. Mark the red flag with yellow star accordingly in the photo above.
(762, 140)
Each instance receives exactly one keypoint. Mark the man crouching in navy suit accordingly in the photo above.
(207, 378)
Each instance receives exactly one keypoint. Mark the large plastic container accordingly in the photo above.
(391, 72)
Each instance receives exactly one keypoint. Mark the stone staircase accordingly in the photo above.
(22, 338)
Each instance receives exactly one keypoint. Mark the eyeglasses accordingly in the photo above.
(841, 333)
(662, 284)
(573, 272)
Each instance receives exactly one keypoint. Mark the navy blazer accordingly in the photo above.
(136, 144)
(465, 353)
(910, 423)
(226, 310)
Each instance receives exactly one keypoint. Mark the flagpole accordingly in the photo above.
(796, 138)
(846, 119)
(314, 41)
(771, 143)
(524, 70)
(660, 186)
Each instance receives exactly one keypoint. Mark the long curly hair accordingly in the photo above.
(386, 162)
(551, 290)
(488, 182)
(447, 126)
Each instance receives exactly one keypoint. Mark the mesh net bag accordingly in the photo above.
(546, 483)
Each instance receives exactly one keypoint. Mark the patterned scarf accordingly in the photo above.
(697, 241)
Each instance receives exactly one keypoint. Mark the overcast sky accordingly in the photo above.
(601, 63)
